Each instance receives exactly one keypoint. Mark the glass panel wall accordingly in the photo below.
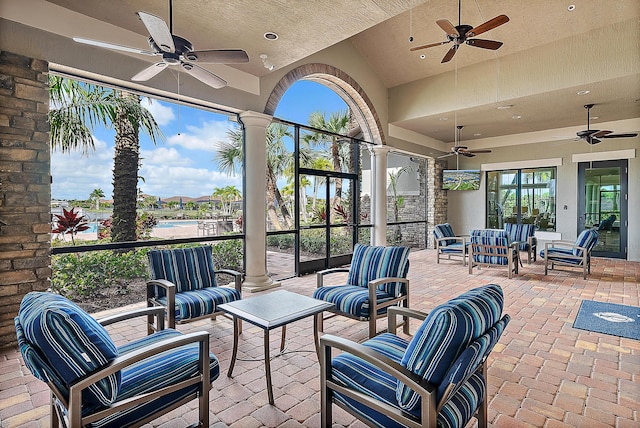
(524, 196)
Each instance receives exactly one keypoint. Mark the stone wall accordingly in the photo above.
(25, 190)
(436, 197)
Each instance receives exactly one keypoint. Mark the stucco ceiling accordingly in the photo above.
(549, 54)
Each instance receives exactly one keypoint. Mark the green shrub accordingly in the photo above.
(86, 274)
(228, 254)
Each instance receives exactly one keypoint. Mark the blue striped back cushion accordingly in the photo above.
(520, 232)
(72, 342)
(494, 238)
(369, 263)
(445, 333)
(587, 239)
(187, 268)
(444, 231)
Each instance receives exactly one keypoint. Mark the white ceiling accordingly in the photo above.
(549, 53)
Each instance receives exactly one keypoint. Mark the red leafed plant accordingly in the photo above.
(70, 223)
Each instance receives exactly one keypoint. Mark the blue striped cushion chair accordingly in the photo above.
(525, 234)
(490, 246)
(571, 254)
(447, 351)
(368, 263)
(191, 270)
(61, 345)
(444, 231)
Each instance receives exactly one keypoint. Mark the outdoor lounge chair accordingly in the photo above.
(493, 247)
(184, 281)
(572, 254)
(437, 378)
(449, 245)
(377, 280)
(95, 383)
(524, 234)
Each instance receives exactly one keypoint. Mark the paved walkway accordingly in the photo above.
(542, 373)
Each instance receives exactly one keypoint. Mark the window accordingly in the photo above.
(522, 196)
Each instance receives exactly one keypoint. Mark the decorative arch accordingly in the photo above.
(341, 83)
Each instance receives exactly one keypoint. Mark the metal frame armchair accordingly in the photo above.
(437, 378)
(377, 280)
(449, 245)
(525, 235)
(493, 247)
(184, 281)
(572, 254)
(96, 384)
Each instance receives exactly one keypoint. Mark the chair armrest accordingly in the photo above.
(320, 275)
(75, 391)
(394, 311)
(461, 238)
(378, 281)
(157, 311)
(169, 287)
(237, 276)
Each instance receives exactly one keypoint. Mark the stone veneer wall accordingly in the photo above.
(436, 197)
(25, 185)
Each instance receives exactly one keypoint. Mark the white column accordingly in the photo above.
(255, 227)
(379, 194)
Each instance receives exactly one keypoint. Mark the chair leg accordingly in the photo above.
(326, 416)
(484, 406)
(372, 325)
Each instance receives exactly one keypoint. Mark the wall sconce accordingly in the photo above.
(267, 64)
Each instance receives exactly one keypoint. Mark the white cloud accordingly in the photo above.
(75, 176)
(160, 111)
(166, 181)
(204, 137)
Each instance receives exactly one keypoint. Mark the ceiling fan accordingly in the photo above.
(174, 50)
(593, 136)
(462, 150)
(462, 33)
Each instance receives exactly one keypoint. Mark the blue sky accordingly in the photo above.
(183, 164)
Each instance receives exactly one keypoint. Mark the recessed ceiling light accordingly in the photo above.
(504, 107)
(585, 92)
(270, 35)
(443, 118)
(423, 56)
(516, 116)
(571, 7)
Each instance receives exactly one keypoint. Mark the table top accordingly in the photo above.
(275, 309)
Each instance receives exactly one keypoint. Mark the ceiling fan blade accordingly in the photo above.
(149, 72)
(450, 53)
(468, 154)
(484, 44)
(489, 25)
(448, 28)
(592, 140)
(475, 152)
(112, 46)
(630, 135)
(429, 45)
(218, 56)
(600, 134)
(205, 76)
(158, 31)
(447, 155)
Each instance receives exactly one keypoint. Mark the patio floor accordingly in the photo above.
(542, 373)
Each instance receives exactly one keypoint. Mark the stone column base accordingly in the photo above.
(259, 283)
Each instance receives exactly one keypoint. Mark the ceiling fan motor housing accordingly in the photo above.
(183, 46)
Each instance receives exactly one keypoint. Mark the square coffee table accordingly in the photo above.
(269, 311)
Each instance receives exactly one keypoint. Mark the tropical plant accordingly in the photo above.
(229, 159)
(76, 108)
(227, 195)
(70, 223)
(95, 196)
(398, 201)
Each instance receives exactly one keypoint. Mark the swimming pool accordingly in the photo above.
(160, 225)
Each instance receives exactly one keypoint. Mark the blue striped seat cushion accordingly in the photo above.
(161, 370)
(205, 301)
(587, 239)
(447, 330)
(520, 232)
(444, 231)
(351, 299)
(369, 263)
(72, 342)
(187, 268)
(493, 238)
(362, 376)
(453, 248)
(565, 255)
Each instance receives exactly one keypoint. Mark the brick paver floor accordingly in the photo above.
(542, 373)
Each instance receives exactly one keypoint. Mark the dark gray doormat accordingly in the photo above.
(609, 318)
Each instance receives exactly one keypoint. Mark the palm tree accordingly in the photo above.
(229, 159)
(95, 197)
(227, 195)
(337, 123)
(76, 109)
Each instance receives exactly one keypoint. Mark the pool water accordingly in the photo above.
(161, 225)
